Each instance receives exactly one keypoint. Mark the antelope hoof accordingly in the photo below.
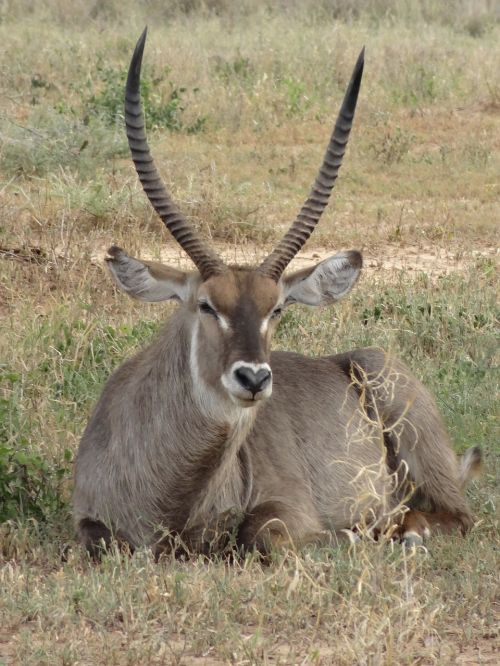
(351, 536)
(412, 540)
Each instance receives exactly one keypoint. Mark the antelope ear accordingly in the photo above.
(325, 283)
(147, 280)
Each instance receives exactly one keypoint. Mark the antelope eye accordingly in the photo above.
(204, 307)
(276, 312)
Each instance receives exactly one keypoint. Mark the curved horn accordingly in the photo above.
(305, 222)
(205, 259)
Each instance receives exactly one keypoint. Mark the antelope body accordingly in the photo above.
(207, 430)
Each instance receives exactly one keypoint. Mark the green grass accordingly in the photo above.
(240, 99)
(445, 330)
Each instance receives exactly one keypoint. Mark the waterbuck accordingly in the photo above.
(207, 430)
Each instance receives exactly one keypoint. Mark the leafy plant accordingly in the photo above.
(393, 145)
(30, 486)
(297, 100)
(240, 68)
(163, 101)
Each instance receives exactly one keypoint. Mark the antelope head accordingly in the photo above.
(234, 309)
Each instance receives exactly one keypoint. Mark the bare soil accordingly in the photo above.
(433, 260)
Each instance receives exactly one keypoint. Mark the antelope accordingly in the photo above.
(207, 427)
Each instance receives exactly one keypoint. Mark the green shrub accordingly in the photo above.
(163, 101)
(392, 146)
(30, 486)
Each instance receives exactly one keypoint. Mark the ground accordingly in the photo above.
(240, 104)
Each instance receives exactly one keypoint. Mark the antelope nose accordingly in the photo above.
(253, 381)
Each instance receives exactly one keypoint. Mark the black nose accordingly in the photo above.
(253, 381)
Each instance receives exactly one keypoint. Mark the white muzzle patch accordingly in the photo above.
(248, 383)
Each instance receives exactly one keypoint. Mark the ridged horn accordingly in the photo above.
(205, 259)
(303, 226)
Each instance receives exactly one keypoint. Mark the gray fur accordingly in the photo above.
(168, 450)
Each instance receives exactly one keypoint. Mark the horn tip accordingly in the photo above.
(360, 61)
(134, 72)
(139, 48)
(142, 39)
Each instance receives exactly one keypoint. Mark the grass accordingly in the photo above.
(240, 102)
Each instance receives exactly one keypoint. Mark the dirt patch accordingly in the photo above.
(432, 260)
(486, 651)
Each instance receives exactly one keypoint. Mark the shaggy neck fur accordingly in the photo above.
(190, 432)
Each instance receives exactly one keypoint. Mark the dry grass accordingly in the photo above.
(419, 191)
(372, 605)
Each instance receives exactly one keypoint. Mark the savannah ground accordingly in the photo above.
(240, 103)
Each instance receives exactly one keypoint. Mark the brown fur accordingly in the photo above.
(207, 431)
(170, 453)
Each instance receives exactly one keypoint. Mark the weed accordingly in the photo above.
(30, 486)
(94, 198)
(239, 69)
(52, 142)
(393, 145)
(476, 153)
(163, 102)
(297, 101)
(477, 25)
